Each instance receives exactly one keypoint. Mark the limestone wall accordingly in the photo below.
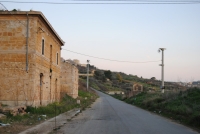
(40, 84)
(69, 79)
(46, 64)
(137, 87)
(16, 83)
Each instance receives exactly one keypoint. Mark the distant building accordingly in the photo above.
(136, 88)
(73, 62)
(114, 92)
(181, 83)
(76, 62)
(196, 84)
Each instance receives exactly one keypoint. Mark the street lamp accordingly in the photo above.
(162, 70)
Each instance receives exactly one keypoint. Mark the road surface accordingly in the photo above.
(111, 116)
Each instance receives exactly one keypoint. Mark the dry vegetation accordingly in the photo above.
(182, 106)
(38, 115)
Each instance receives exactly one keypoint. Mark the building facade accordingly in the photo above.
(69, 79)
(29, 59)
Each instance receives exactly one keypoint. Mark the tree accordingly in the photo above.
(108, 74)
(119, 77)
(99, 75)
(96, 74)
(14, 10)
(103, 78)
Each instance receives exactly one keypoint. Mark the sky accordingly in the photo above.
(128, 32)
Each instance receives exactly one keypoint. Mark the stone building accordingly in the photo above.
(69, 79)
(136, 88)
(29, 59)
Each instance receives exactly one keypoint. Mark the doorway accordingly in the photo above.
(56, 90)
(41, 85)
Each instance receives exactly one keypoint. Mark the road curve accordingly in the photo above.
(111, 116)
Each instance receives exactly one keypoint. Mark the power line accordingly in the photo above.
(109, 59)
(81, 53)
(126, 2)
(142, 1)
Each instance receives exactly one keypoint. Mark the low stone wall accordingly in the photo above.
(132, 93)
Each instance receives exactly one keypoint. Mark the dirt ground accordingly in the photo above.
(38, 125)
(16, 127)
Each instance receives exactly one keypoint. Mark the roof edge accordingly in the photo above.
(34, 13)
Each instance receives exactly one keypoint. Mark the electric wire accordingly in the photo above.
(111, 2)
(142, 0)
(109, 59)
(86, 54)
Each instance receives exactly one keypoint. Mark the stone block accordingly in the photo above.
(9, 34)
(2, 116)
(5, 33)
(4, 42)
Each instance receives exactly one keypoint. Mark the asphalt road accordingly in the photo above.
(111, 116)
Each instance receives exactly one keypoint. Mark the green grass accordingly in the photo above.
(182, 106)
(37, 114)
(50, 110)
(86, 98)
(55, 108)
(94, 85)
(104, 86)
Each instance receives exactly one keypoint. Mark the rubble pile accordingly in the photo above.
(16, 110)
(2, 116)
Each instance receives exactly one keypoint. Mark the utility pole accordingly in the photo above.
(162, 70)
(87, 73)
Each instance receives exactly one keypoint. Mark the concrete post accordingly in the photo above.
(162, 70)
(87, 73)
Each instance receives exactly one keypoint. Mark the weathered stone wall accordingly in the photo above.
(16, 84)
(69, 79)
(38, 85)
(137, 87)
(46, 64)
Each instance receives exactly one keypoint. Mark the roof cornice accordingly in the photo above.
(40, 14)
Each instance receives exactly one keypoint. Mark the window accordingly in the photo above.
(57, 58)
(42, 46)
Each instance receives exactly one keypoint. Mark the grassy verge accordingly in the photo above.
(103, 86)
(184, 107)
(86, 98)
(38, 115)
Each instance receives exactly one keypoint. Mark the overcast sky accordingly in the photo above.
(129, 32)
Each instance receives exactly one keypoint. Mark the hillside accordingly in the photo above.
(178, 103)
(107, 80)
